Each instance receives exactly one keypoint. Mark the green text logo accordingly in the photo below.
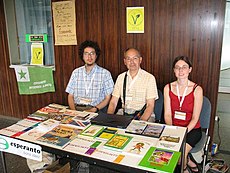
(4, 145)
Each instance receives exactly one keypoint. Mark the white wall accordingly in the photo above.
(225, 59)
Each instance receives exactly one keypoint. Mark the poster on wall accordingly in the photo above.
(64, 22)
(37, 54)
(34, 79)
(135, 19)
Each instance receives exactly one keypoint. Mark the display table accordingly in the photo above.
(139, 153)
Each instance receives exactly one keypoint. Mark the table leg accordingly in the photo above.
(3, 161)
(183, 152)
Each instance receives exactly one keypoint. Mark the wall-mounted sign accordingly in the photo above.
(135, 19)
(36, 38)
(37, 54)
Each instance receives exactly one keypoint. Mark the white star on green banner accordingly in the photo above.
(34, 79)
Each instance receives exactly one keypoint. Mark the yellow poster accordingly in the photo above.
(135, 19)
(37, 54)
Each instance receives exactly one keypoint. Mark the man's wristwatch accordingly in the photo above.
(97, 109)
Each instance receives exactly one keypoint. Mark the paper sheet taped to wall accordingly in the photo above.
(64, 22)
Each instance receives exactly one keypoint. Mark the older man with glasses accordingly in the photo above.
(136, 88)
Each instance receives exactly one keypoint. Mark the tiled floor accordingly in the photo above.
(223, 138)
(14, 164)
(17, 164)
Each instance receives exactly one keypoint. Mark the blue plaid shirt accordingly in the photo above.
(102, 84)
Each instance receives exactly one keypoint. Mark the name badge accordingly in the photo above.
(180, 115)
(85, 101)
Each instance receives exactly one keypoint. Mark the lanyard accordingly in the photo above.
(88, 86)
(133, 81)
(183, 96)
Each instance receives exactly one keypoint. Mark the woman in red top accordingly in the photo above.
(183, 102)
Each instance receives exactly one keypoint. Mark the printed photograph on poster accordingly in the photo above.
(135, 19)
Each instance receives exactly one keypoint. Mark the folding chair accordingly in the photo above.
(205, 139)
(158, 107)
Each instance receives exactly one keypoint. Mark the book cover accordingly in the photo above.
(38, 116)
(107, 133)
(118, 142)
(74, 113)
(48, 125)
(48, 109)
(60, 135)
(136, 127)
(171, 138)
(58, 106)
(80, 116)
(19, 128)
(160, 160)
(107, 155)
(137, 146)
(92, 130)
(12, 130)
(47, 112)
(80, 124)
(153, 130)
(66, 119)
(79, 145)
(85, 116)
(32, 134)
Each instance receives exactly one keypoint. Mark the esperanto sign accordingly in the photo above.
(34, 79)
(21, 148)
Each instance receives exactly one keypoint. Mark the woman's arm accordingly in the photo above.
(198, 102)
(167, 106)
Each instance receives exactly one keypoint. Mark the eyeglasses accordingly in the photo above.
(178, 68)
(135, 58)
(89, 53)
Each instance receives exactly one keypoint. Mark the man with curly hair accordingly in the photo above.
(90, 86)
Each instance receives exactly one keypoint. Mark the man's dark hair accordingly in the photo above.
(89, 43)
(184, 58)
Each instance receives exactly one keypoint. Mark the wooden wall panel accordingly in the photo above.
(172, 27)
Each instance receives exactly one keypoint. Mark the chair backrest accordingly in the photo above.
(158, 106)
(205, 114)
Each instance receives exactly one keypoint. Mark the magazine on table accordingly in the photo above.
(136, 127)
(60, 135)
(107, 133)
(137, 147)
(161, 160)
(145, 128)
(92, 130)
(171, 140)
(118, 142)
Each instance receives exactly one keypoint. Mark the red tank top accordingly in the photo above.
(186, 107)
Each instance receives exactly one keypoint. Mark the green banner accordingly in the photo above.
(34, 79)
